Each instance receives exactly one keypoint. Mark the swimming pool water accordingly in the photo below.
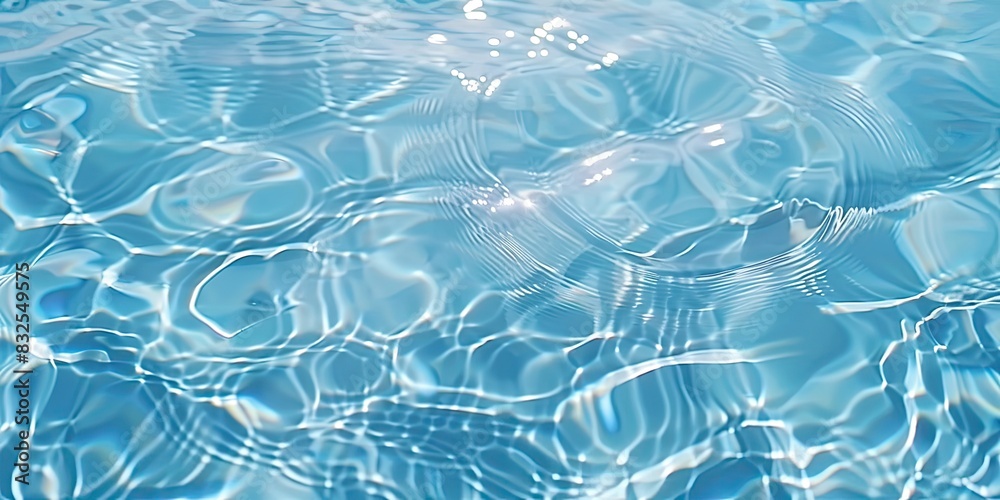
(503, 249)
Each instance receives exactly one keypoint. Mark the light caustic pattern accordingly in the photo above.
(495, 249)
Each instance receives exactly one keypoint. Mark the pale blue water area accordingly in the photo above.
(304, 249)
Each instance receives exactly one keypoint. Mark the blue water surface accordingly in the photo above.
(628, 249)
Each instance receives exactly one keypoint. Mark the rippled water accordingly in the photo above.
(577, 249)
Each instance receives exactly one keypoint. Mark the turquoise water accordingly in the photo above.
(503, 249)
